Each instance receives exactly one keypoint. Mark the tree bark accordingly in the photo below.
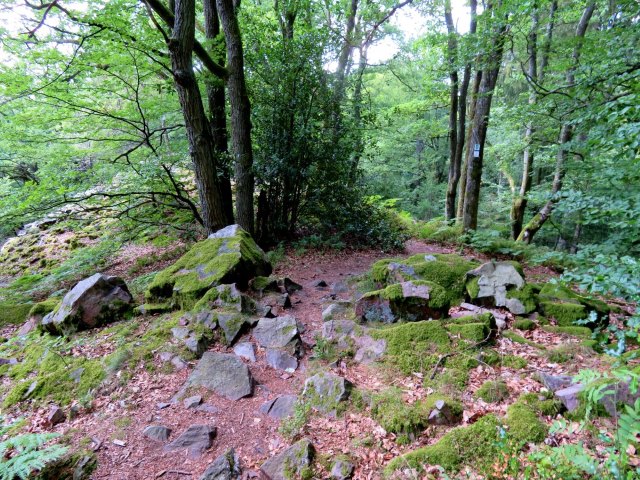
(240, 116)
(217, 113)
(479, 127)
(566, 134)
(457, 113)
(201, 145)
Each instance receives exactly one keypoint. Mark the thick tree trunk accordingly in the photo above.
(197, 125)
(479, 125)
(217, 113)
(240, 116)
(566, 133)
(457, 113)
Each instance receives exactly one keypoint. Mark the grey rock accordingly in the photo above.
(289, 463)
(515, 306)
(192, 402)
(76, 375)
(230, 298)
(197, 343)
(245, 350)
(495, 278)
(337, 311)
(8, 361)
(206, 318)
(55, 416)
(280, 407)
(555, 382)
(180, 333)
(162, 405)
(369, 350)
(342, 469)
(279, 332)
(224, 374)
(207, 408)
(196, 439)
(334, 329)
(289, 285)
(227, 232)
(320, 284)
(569, 396)
(29, 326)
(324, 391)
(225, 467)
(165, 356)
(92, 302)
(281, 360)
(159, 433)
(232, 325)
(178, 363)
(339, 287)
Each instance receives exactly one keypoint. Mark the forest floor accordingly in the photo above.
(113, 425)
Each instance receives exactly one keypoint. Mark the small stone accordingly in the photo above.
(334, 329)
(55, 416)
(555, 382)
(158, 433)
(339, 287)
(324, 391)
(337, 311)
(76, 375)
(569, 396)
(245, 350)
(225, 467)
(342, 469)
(289, 285)
(224, 374)
(178, 363)
(276, 332)
(369, 350)
(192, 402)
(196, 439)
(289, 463)
(180, 333)
(231, 324)
(74, 412)
(281, 360)
(280, 407)
(8, 361)
(320, 284)
(207, 408)
(162, 405)
(165, 356)
(120, 443)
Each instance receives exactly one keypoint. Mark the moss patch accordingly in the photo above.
(575, 331)
(475, 445)
(524, 425)
(524, 324)
(565, 314)
(475, 332)
(40, 309)
(414, 347)
(567, 353)
(526, 295)
(514, 337)
(493, 391)
(14, 314)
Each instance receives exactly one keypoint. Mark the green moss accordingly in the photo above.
(472, 287)
(526, 295)
(155, 308)
(475, 445)
(14, 314)
(524, 324)
(541, 404)
(414, 347)
(451, 380)
(380, 270)
(575, 331)
(484, 318)
(40, 309)
(565, 314)
(567, 353)
(493, 391)
(475, 332)
(491, 357)
(524, 425)
(514, 337)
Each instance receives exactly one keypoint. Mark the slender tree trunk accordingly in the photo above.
(357, 116)
(217, 113)
(201, 143)
(459, 110)
(566, 134)
(240, 116)
(479, 125)
(462, 186)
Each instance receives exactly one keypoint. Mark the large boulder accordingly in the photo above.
(227, 256)
(224, 374)
(411, 301)
(93, 302)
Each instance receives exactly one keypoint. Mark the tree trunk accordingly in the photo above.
(217, 113)
(566, 133)
(462, 186)
(201, 145)
(357, 116)
(459, 110)
(479, 125)
(240, 116)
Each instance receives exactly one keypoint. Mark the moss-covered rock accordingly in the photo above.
(567, 307)
(475, 332)
(475, 445)
(411, 300)
(576, 331)
(40, 309)
(415, 346)
(524, 324)
(228, 256)
(490, 283)
(566, 314)
(514, 337)
(447, 270)
(493, 391)
(525, 297)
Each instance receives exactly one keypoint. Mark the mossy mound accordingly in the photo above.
(229, 256)
(524, 425)
(527, 296)
(414, 347)
(541, 404)
(447, 270)
(524, 324)
(40, 309)
(514, 337)
(493, 391)
(474, 328)
(14, 314)
(576, 331)
(568, 307)
(475, 445)
(568, 352)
